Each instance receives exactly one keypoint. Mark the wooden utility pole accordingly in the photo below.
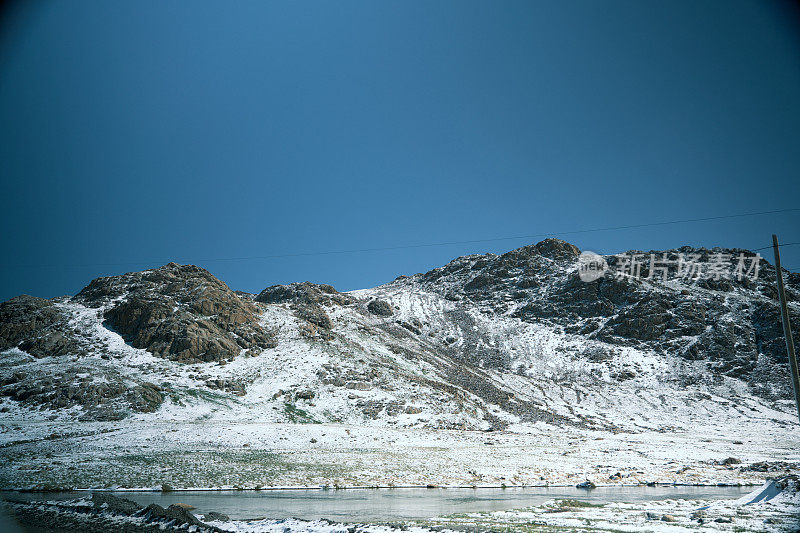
(787, 329)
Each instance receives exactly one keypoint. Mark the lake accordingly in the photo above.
(380, 505)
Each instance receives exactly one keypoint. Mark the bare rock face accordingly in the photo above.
(36, 326)
(308, 301)
(40, 328)
(315, 315)
(179, 312)
(380, 308)
(304, 293)
(104, 395)
(733, 325)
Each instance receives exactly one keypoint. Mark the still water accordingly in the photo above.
(379, 505)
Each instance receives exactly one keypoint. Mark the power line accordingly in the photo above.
(770, 246)
(436, 244)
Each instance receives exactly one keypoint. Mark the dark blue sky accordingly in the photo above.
(134, 133)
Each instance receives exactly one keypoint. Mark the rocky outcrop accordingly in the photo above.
(179, 312)
(731, 324)
(41, 328)
(105, 512)
(36, 326)
(308, 300)
(380, 308)
(108, 396)
(314, 314)
(304, 293)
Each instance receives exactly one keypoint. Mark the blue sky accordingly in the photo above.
(134, 133)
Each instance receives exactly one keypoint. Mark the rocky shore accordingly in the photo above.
(103, 513)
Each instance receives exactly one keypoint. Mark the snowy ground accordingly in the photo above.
(391, 402)
(250, 455)
(779, 514)
(426, 427)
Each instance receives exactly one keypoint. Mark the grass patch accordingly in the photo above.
(248, 469)
(204, 395)
(576, 504)
(297, 415)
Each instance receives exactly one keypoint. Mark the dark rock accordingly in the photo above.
(380, 308)
(623, 375)
(113, 504)
(36, 326)
(410, 327)
(481, 281)
(179, 312)
(111, 397)
(771, 466)
(304, 293)
(538, 284)
(228, 385)
(72, 516)
(306, 394)
(558, 249)
(315, 315)
(174, 513)
(215, 517)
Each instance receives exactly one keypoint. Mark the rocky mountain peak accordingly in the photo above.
(179, 312)
(556, 249)
(729, 321)
(172, 279)
(303, 293)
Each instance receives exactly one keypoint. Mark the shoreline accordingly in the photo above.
(772, 508)
(374, 487)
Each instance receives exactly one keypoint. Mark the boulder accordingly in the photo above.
(113, 504)
(214, 516)
(174, 514)
(380, 308)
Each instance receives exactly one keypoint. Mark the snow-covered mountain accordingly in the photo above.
(484, 342)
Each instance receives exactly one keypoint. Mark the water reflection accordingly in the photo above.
(375, 505)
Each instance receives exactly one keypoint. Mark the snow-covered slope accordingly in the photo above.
(510, 342)
(486, 341)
